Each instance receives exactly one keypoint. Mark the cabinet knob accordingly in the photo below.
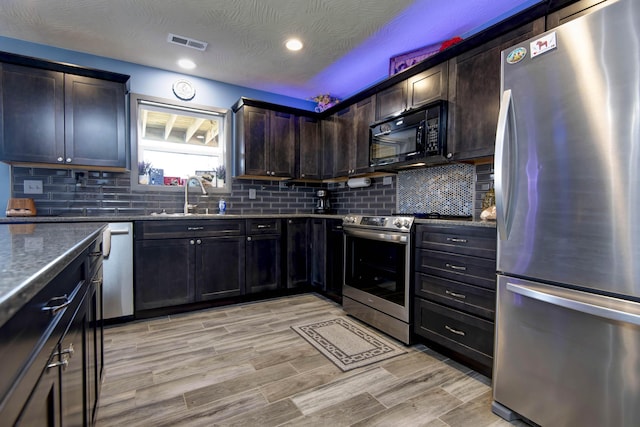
(199, 241)
(60, 159)
(192, 242)
(273, 173)
(68, 159)
(248, 238)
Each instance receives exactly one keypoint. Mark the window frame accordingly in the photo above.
(227, 131)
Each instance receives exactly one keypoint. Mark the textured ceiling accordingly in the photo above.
(348, 43)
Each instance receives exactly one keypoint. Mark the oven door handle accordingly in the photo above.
(383, 237)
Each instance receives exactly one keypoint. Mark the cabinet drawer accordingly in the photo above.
(463, 333)
(476, 241)
(462, 268)
(167, 229)
(264, 226)
(470, 299)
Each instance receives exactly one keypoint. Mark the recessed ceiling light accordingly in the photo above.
(293, 44)
(187, 64)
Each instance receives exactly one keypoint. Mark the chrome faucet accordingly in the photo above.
(187, 206)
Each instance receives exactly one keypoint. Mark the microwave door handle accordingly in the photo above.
(387, 132)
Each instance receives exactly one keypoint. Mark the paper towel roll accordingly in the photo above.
(359, 182)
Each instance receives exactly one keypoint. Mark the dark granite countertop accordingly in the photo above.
(31, 255)
(162, 217)
(490, 224)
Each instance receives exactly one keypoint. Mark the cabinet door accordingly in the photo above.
(344, 146)
(43, 407)
(391, 101)
(31, 115)
(164, 273)
(282, 148)
(220, 267)
(318, 253)
(297, 252)
(335, 259)
(94, 122)
(329, 140)
(428, 86)
(474, 95)
(75, 377)
(255, 136)
(311, 148)
(263, 263)
(364, 116)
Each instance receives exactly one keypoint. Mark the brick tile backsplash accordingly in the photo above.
(110, 194)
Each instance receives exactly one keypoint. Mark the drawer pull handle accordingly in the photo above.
(69, 350)
(95, 254)
(64, 363)
(195, 228)
(455, 331)
(455, 295)
(54, 309)
(260, 226)
(456, 240)
(456, 267)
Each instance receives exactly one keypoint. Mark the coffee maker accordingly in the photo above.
(322, 204)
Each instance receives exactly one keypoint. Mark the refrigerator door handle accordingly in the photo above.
(575, 304)
(505, 148)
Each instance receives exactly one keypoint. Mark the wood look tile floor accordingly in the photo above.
(243, 365)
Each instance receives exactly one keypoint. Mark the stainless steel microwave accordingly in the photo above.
(417, 136)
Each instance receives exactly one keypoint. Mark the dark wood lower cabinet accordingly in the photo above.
(55, 354)
(181, 271)
(43, 407)
(297, 259)
(454, 288)
(263, 272)
(163, 273)
(219, 267)
(327, 256)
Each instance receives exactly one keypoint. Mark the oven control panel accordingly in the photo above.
(395, 223)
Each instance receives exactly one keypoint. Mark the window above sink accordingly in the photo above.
(173, 140)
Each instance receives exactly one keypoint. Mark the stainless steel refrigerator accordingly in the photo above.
(567, 178)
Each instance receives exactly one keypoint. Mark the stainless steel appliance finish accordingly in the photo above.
(376, 286)
(567, 348)
(118, 272)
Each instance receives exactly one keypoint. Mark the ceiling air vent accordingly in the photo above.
(187, 42)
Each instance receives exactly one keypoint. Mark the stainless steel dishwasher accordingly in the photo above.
(118, 272)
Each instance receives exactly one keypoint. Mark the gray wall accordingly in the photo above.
(109, 193)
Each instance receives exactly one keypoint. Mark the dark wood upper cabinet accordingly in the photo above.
(328, 134)
(364, 116)
(311, 148)
(94, 122)
(32, 111)
(351, 142)
(63, 119)
(474, 95)
(265, 142)
(344, 144)
(391, 101)
(418, 90)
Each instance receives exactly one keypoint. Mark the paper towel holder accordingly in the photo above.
(359, 182)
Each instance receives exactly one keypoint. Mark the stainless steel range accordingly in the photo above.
(377, 272)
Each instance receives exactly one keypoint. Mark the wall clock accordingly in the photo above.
(184, 90)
